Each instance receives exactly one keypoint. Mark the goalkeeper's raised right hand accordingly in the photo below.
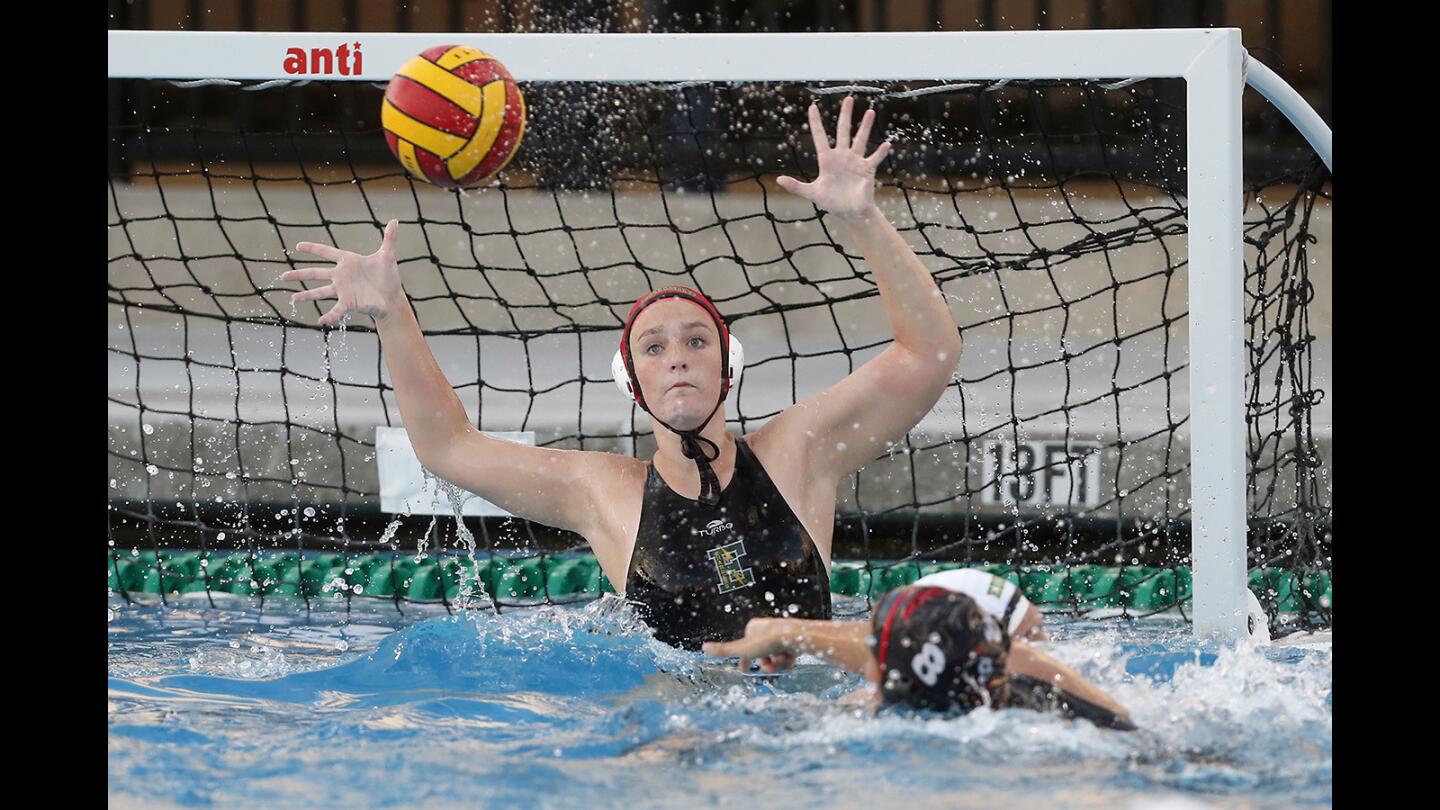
(366, 284)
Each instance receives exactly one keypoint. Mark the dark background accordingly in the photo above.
(1292, 37)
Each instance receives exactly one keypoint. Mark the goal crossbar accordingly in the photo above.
(997, 55)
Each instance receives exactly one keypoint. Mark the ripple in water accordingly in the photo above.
(549, 705)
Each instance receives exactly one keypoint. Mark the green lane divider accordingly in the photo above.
(1088, 587)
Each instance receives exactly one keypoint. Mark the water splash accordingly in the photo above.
(472, 590)
(541, 702)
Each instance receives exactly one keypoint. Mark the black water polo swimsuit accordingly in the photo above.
(700, 573)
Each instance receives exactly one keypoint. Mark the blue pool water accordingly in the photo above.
(579, 707)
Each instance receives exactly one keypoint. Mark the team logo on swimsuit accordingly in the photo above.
(727, 565)
(714, 527)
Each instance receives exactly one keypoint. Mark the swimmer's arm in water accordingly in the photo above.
(852, 422)
(541, 484)
(1026, 660)
(774, 643)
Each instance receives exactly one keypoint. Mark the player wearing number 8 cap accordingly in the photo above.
(929, 647)
(938, 650)
(715, 529)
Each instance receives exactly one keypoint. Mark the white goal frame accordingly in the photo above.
(1211, 61)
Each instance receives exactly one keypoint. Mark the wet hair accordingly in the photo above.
(938, 650)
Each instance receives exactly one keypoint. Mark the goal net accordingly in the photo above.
(1053, 214)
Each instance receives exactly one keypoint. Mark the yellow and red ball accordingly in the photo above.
(453, 116)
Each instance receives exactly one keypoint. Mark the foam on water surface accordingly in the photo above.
(561, 706)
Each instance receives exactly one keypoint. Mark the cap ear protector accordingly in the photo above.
(622, 367)
(737, 364)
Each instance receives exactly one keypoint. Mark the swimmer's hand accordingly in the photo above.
(770, 642)
(845, 184)
(366, 284)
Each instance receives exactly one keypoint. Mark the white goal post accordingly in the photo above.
(1211, 61)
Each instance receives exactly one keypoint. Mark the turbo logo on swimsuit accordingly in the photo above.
(727, 566)
(714, 527)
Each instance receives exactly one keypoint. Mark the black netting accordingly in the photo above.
(1052, 215)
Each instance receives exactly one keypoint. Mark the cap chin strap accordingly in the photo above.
(1011, 625)
(690, 440)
